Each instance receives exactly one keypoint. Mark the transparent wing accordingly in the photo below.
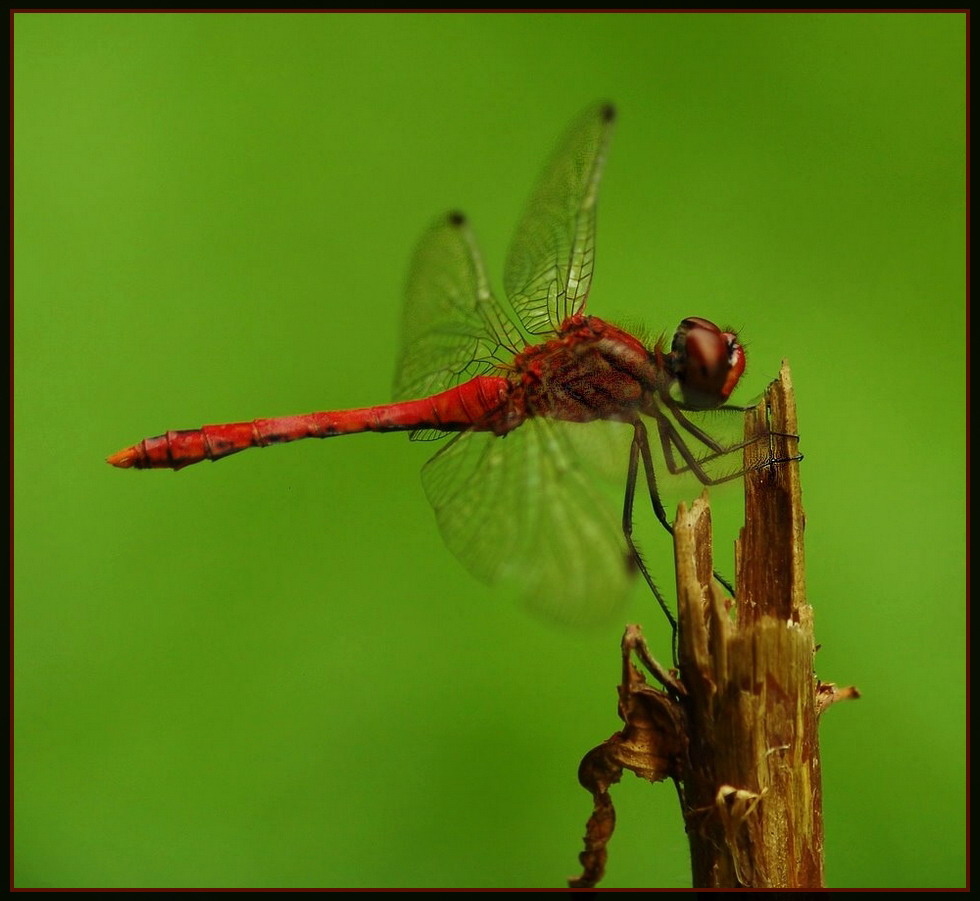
(453, 328)
(522, 509)
(549, 265)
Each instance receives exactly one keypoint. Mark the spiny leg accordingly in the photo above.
(772, 460)
(635, 451)
(670, 438)
(641, 438)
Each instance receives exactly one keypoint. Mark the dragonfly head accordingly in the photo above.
(706, 362)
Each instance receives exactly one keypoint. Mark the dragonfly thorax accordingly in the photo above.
(591, 370)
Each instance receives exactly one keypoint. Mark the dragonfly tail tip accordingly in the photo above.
(123, 459)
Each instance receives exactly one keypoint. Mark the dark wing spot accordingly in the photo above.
(457, 218)
(608, 112)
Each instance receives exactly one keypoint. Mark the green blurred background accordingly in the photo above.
(271, 672)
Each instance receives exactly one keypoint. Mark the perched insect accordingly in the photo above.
(513, 385)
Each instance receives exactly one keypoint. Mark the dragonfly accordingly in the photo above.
(513, 388)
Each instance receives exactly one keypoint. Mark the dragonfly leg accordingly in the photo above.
(640, 437)
(634, 465)
(642, 441)
(670, 438)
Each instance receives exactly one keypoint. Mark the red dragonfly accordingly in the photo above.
(514, 383)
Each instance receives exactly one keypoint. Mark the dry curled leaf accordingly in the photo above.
(651, 744)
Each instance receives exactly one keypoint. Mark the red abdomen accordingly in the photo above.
(470, 405)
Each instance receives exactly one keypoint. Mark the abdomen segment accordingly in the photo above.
(459, 408)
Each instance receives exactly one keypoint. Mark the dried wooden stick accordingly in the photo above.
(751, 787)
(737, 731)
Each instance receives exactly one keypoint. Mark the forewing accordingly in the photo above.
(549, 265)
(452, 328)
(522, 509)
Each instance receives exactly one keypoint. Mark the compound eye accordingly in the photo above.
(707, 362)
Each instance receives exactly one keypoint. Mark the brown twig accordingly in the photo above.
(752, 790)
(738, 730)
